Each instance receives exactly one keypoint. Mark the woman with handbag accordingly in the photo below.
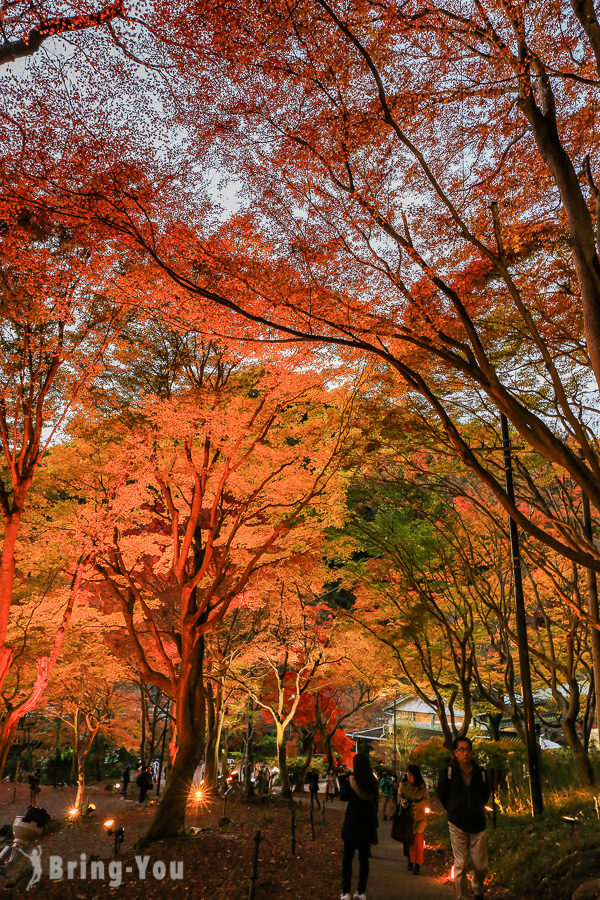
(413, 797)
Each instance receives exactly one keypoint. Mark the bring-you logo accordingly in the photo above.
(109, 871)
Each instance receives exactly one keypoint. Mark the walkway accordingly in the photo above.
(389, 879)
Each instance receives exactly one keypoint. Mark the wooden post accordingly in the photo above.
(312, 823)
(253, 874)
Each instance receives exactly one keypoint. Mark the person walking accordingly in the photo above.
(359, 830)
(34, 785)
(386, 786)
(126, 779)
(330, 786)
(413, 796)
(464, 789)
(144, 781)
(313, 786)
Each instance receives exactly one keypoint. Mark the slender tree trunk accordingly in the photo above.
(249, 785)
(101, 748)
(224, 755)
(143, 737)
(310, 749)
(211, 769)
(57, 751)
(75, 763)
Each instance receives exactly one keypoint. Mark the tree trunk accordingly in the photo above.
(7, 735)
(170, 815)
(282, 762)
(143, 737)
(494, 720)
(84, 747)
(7, 578)
(75, 763)
(582, 760)
(310, 749)
(191, 721)
(224, 755)
(248, 769)
(211, 769)
(101, 751)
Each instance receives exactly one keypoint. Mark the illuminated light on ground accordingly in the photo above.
(198, 795)
(427, 810)
(109, 823)
(489, 809)
(74, 811)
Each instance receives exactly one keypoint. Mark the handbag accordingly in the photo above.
(402, 826)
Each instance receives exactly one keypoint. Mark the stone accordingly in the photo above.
(589, 890)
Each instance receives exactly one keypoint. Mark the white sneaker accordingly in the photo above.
(358, 896)
(344, 896)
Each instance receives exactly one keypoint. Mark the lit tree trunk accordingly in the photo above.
(12, 715)
(7, 578)
(282, 761)
(215, 713)
(191, 721)
(84, 745)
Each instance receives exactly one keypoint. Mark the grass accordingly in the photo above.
(547, 854)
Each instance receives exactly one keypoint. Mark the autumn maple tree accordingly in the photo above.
(205, 493)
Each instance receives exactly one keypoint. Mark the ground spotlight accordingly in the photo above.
(91, 808)
(117, 833)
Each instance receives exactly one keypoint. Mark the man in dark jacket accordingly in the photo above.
(464, 789)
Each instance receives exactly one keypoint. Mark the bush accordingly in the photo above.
(430, 756)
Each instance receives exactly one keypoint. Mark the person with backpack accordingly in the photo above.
(386, 786)
(359, 830)
(464, 789)
(413, 797)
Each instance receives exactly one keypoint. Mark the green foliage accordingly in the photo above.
(266, 747)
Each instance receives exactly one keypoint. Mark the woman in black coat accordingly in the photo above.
(359, 830)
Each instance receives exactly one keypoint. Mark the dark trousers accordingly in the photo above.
(363, 866)
(314, 799)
